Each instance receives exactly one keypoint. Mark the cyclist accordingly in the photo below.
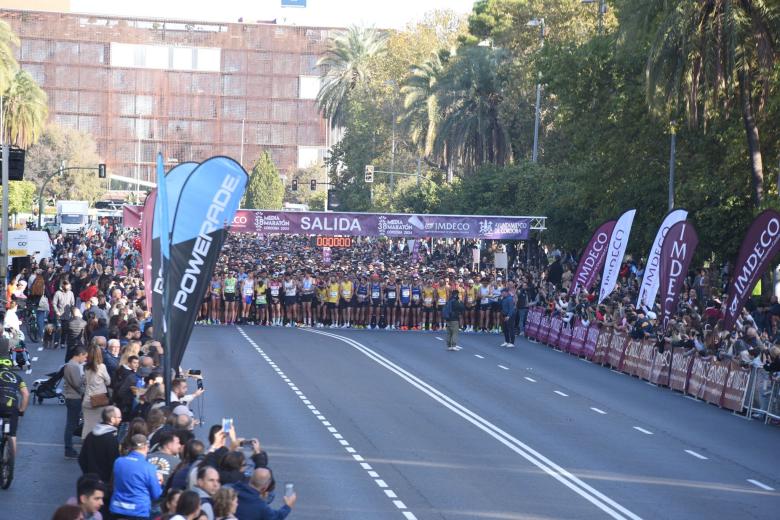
(11, 387)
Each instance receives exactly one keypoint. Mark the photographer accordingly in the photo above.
(179, 390)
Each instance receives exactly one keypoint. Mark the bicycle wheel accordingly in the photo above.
(6, 463)
(32, 330)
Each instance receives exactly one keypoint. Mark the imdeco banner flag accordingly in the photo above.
(758, 248)
(617, 249)
(205, 207)
(592, 258)
(675, 257)
(650, 281)
(147, 219)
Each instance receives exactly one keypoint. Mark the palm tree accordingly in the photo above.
(704, 52)
(344, 66)
(470, 93)
(8, 64)
(24, 110)
(421, 104)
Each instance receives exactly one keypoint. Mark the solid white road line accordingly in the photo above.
(440, 339)
(502, 366)
(646, 432)
(565, 477)
(331, 429)
(602, 412)
(561, 393)
(697, 455)
(760, 484)
(530, 379)
(480, 357)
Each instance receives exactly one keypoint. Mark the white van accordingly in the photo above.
(33, 243)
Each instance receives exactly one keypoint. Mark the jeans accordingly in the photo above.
(452, 333)
(40, 317)
(509, 329)
(522, 314)
(73, 407)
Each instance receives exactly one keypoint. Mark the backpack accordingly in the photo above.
(446, 312)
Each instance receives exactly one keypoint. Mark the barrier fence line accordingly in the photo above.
(724, 383)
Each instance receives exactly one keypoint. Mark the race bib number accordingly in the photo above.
(261, 299)
(375, 294)
(274, 292)
(391, 295)
(334, 294)
(416, 297)
(484, 301)
(428, 300)
(404, 293)
(442, 301)
(346, 294)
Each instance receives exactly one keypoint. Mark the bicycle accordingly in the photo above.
(6, 455)
(31, 322)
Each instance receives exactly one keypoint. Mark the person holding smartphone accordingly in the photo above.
(253, 497)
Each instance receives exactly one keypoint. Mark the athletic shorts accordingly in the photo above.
(484, 306)
(414, 304)
(405, 305)
(391, 304)
(275, 300)
(495, 307)
(260, 306)
(331, 305)
(12, 417)
(469, 307)
(364, 303)
(290, 300)
(248, 300)
(230, 297)
(427, 310)
(375, 303)
(307, 298)
(345, 304)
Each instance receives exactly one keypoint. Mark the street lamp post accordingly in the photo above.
(537, 22)
(672, 157)
(602, 11)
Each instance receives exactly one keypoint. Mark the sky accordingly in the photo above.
(331, 13)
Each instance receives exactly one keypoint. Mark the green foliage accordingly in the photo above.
(20, 197)
(265, 189)
(58, 145)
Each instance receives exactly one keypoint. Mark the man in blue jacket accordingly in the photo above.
(508, 313)
(136, 483)
(252, 498)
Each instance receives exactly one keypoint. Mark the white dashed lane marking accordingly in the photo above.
(694, 454)
(530, 379)
(480, 357)
(646, 432)
(502, 366)
(602, 412)
(760, 484)
(333, 431)
(561, 393)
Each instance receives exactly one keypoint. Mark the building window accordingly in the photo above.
(308, 87)
(165, 57)
(310, 156)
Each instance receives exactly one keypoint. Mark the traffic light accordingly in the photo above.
(101, 171)
(313, 185)
(369, 173)
(294, 186)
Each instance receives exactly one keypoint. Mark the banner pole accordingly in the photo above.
(162, 198)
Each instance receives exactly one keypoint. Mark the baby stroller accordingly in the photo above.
(49, 388)
(17, 351)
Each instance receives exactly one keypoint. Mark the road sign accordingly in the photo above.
(369, 173)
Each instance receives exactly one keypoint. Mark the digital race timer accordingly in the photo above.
(333, 241)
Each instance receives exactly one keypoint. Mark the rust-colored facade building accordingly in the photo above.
(188, 89)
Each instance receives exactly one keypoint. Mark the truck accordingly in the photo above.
(72, 216)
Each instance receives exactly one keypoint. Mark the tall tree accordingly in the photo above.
(24, 110)
(344, 66)
(471, 131)
(706, 55)
(8, 64)
(421, 104)
(265, 189)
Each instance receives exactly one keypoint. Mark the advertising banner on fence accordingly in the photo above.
(393, 225)
(676, 255)
(592, 258)
(617, 249)
(651, 280)
(206, 204)
(760, 245)
(147, 219)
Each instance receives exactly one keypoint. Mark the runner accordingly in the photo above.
(308, 286)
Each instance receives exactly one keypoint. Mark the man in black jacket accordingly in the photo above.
(452, 313)
(101, 446)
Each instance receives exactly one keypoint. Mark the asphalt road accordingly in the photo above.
(389, 425)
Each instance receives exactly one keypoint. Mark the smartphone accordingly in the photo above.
(199, 384)
(227, 424)
(246, 444)
(289, 489)
(194, 372)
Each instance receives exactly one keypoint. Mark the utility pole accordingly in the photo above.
(4, 176)
(672, 154)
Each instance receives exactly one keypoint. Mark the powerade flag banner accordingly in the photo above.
(174, 180)
(617, 248)
(147, 219)
(592, 258)
(761, 244)
(676, 254)
(650, 281)
(207, 203)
